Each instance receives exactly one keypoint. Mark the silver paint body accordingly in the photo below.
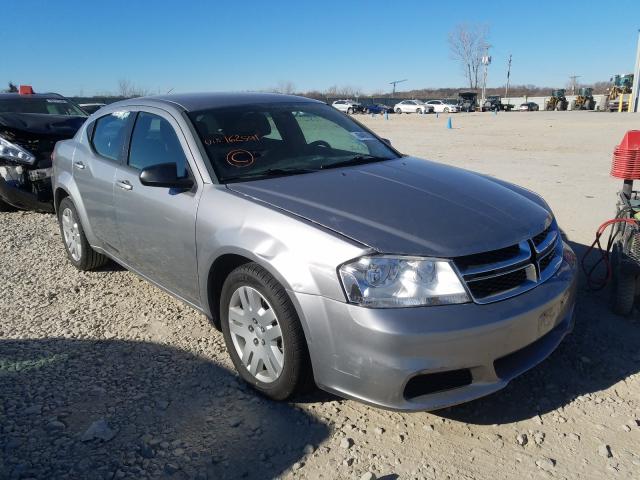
(301, 228)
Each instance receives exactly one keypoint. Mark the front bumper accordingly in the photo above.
(20, 197)
(372, 354)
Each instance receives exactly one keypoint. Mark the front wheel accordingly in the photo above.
(263, 333)
(398, 111)
(446, 110)
(349, 111)
(79, 252)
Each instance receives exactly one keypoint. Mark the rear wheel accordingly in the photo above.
(419, 110)
(349, 111)
(398, 111)
(79, 252)
(263, 333)
(588, 105)
(446, 110)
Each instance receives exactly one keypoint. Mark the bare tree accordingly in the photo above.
(286, 87)
(467, 44)
(127, 89)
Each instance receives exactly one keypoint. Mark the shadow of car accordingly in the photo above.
(122, 409)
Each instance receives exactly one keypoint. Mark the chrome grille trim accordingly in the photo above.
(548, 242)
(495, 281)
(523, 256)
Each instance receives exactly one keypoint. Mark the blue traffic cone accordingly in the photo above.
(449, 124)
(386, 114)
(437, 115)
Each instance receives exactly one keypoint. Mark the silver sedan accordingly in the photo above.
(322, 253)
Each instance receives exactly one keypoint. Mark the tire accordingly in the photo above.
(247, 286)
(588, 105)
(623, 286)
(349, 111)
(419, 110)
(446, 110)
(398, 111)
(81, 256)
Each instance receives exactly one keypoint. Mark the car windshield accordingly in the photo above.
(450, 102)
(255, 141)
(46, 106)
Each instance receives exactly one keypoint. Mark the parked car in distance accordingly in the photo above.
(336, 259)
(91, 107)
(378, 108)
(441, 106)
(348, 106)
(529, 107)
(412, 106)
(30, 125)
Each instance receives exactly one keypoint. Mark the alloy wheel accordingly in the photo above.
(71, 232)
(256, 334)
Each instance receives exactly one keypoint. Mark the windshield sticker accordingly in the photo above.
(217, 139)
(362, 136)
(240, 158)
(55, 100)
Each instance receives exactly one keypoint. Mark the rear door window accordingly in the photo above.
(109, 134)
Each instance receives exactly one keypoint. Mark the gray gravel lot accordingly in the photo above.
(104, 376)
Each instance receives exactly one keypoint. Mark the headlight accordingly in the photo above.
(388, 281)
(9, 151)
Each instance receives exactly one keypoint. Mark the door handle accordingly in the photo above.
(79, 165)
(124, 185)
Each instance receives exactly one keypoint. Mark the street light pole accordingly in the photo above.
(486, 61)
(506, 90)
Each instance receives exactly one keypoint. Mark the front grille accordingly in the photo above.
(493, 256)
(499, 274)
(537, 240)
(499, 284)
(546, 261)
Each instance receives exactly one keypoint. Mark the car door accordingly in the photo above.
(94, 172)
(156, 225)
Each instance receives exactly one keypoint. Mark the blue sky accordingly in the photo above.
(75, 47)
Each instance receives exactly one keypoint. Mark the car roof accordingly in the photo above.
(30, 95)
(203, 101)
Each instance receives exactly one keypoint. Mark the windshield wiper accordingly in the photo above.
(271, 172)
(356, 160)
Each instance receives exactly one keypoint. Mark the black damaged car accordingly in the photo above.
(30, 126)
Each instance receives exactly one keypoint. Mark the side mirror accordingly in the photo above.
(164, 175)
(386, 140)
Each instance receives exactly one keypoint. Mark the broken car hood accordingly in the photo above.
(408, 206)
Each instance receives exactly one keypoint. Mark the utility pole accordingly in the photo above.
(574, 83)
(486, 61)
(394, 86)
(506, 90)
(636, 81)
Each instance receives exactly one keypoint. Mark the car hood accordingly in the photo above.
(38, 133)
(409, 206)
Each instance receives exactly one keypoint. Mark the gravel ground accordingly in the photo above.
(104, 376)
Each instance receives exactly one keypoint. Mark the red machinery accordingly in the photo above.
(621, 256)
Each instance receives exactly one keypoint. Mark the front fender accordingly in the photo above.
(302, 256)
